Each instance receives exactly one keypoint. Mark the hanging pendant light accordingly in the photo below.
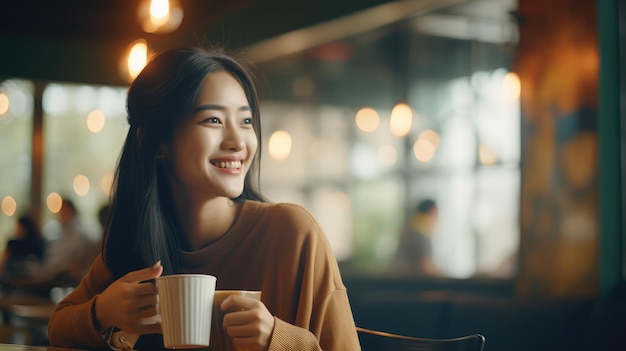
(134, 59)
(160, 16)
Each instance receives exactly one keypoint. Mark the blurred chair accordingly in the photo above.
(32, 322)
(25, 319)
(395, 312)
(372, 340)
(555, 324)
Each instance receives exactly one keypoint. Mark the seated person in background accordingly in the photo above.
(415, 250)
(69, 244)
(26, 251)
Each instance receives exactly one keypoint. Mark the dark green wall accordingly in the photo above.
(611, 172)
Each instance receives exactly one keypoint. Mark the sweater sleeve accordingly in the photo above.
(334, 331)
(323, 317)
(72, 323)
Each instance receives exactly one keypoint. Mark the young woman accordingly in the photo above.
(185, 202)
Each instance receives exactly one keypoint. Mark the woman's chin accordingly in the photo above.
(233, 193)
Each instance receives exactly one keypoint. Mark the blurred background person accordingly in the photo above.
(24, 253)
(69, 249)
(415, 249)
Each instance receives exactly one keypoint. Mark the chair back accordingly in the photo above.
(372, 340)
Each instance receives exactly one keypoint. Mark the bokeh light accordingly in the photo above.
(160, 16)
(9, 206)
(54, 201)
(81, 185)
(367, 119)
(424, 150)
(4, 103)
(95, 121)
(279, 146)
(431, 136)
(486, 155)
(137, 58)
(511, 88)
(401, 120)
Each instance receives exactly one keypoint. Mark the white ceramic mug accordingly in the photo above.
(185, 303)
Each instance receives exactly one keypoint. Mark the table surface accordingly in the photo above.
(13, 347)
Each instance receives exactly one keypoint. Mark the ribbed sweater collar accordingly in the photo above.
(242, 226)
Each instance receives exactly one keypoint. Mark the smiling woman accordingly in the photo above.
(186, 201)
(219, 130)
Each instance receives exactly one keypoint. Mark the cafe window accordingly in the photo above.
(329, 142)
(85, 127)
(462, 149)
(16, 126)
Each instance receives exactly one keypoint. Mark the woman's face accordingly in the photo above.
(212, 149)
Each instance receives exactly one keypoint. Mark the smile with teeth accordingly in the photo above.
(227, 164)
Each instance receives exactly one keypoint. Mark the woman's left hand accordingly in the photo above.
(250, 325)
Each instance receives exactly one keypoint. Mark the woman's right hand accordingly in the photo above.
(129, 301)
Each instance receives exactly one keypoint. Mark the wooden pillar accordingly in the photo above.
(558, 64)
(36, 187)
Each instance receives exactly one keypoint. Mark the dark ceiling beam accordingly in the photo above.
(89, 53)
(341, 27)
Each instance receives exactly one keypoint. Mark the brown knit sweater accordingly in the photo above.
(279, 249)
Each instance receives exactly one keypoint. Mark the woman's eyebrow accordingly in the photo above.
(217, 107)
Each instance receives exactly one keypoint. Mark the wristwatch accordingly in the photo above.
(119, 340)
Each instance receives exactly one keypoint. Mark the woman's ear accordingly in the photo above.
(162, 152)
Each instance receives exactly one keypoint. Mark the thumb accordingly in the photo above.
(144, 274)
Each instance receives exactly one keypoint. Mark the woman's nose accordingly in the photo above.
(233, 139)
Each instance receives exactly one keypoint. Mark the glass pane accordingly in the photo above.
(84, 129)
(312, 169)
(16, 128)
(462, 148)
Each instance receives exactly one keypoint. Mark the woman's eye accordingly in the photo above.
(247, 121)
(212, 120)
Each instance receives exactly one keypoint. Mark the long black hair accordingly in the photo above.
(143, 226)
